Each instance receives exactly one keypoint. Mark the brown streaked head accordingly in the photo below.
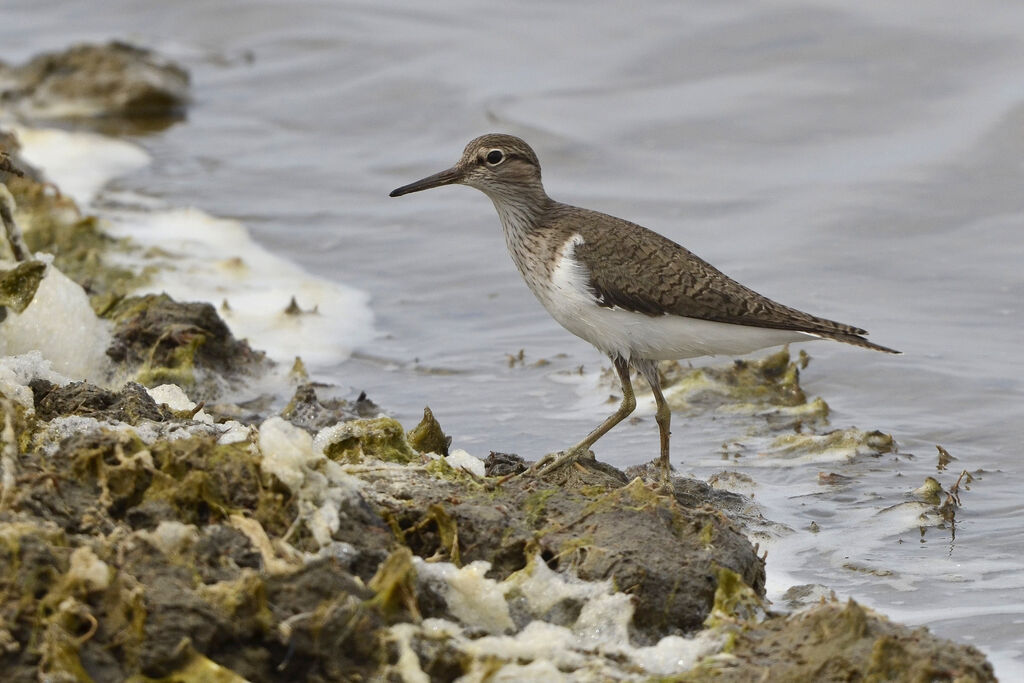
(498, 165)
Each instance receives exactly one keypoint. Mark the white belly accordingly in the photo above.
(668, 337)
(634, 335)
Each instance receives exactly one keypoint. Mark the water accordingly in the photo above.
(859, 162)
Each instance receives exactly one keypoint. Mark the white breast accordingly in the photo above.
(568, 298)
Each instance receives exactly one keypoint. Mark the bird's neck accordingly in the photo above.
(520, 209)
(527, 235)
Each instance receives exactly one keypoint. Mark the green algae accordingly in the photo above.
(930, 491)
(382, 438)
(774, 380)
(176, 367)
(298, 372)
(849, 442)
(439, 468)
(636, 495)
(394, 584)
(535, 505)
(837, 642)
(18, 285)
(196, 669)
(735, 601)
(166, 341)
(204, 480)
(428, 437)
(241, 599)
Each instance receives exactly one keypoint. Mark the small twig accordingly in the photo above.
(491, 485)
(93, 625)
(472, 475)
(18, 247)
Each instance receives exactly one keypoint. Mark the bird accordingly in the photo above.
(635, 295)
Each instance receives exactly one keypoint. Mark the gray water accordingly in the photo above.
(863, 161)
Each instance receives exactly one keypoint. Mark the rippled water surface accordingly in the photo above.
(862, 161)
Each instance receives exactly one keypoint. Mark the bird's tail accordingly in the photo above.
(856, 340)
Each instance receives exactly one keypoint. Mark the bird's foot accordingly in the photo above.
(665, 469)
(552, 461)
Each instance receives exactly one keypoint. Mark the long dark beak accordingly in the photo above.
(446, 177)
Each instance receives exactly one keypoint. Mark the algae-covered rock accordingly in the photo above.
(837, 642)
(307, 410)
(112, 80)
(18, 285)
(172, 342)
(838, 444)
(645, 541)
(382, 438)
(427, 436)
(773, 380)
(130, 405)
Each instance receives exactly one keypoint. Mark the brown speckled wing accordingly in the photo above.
(638, 270)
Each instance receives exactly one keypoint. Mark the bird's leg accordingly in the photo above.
(649, 369)
(573, 454)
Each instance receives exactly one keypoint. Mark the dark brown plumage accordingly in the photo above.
(639, 270)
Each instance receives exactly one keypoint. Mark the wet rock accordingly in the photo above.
(504, 464)
(186, 558)
(308, 411)
(179, 343)
(427, 437)
(381, 438)
(632, 534)
(130, 405)
(837, 642)
(86, 81)
(767, 388)
(18, 285)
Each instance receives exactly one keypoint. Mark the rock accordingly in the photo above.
(504, 464)
(427, 436)
(180, 343)
(637, 537)
(131, 405)
(308, 411)
(89, 81)
(836, 642)
(18, 285)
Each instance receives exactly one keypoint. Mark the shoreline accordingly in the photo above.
(234, 520)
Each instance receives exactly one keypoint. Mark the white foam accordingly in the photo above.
(595, 647)
(171, 537)
(60, 324)
(205, 258)
(459, 458)
(286, 450)
(175, 398)
(88, 570)
(472, 598)
(79, 163)
(17, 371)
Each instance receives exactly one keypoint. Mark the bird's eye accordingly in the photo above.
(494, 157)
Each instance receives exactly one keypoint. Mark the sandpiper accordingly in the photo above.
(637, 296)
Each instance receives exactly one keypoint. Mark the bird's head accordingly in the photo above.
(501, 166)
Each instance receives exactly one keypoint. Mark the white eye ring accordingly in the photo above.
(494, 157)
